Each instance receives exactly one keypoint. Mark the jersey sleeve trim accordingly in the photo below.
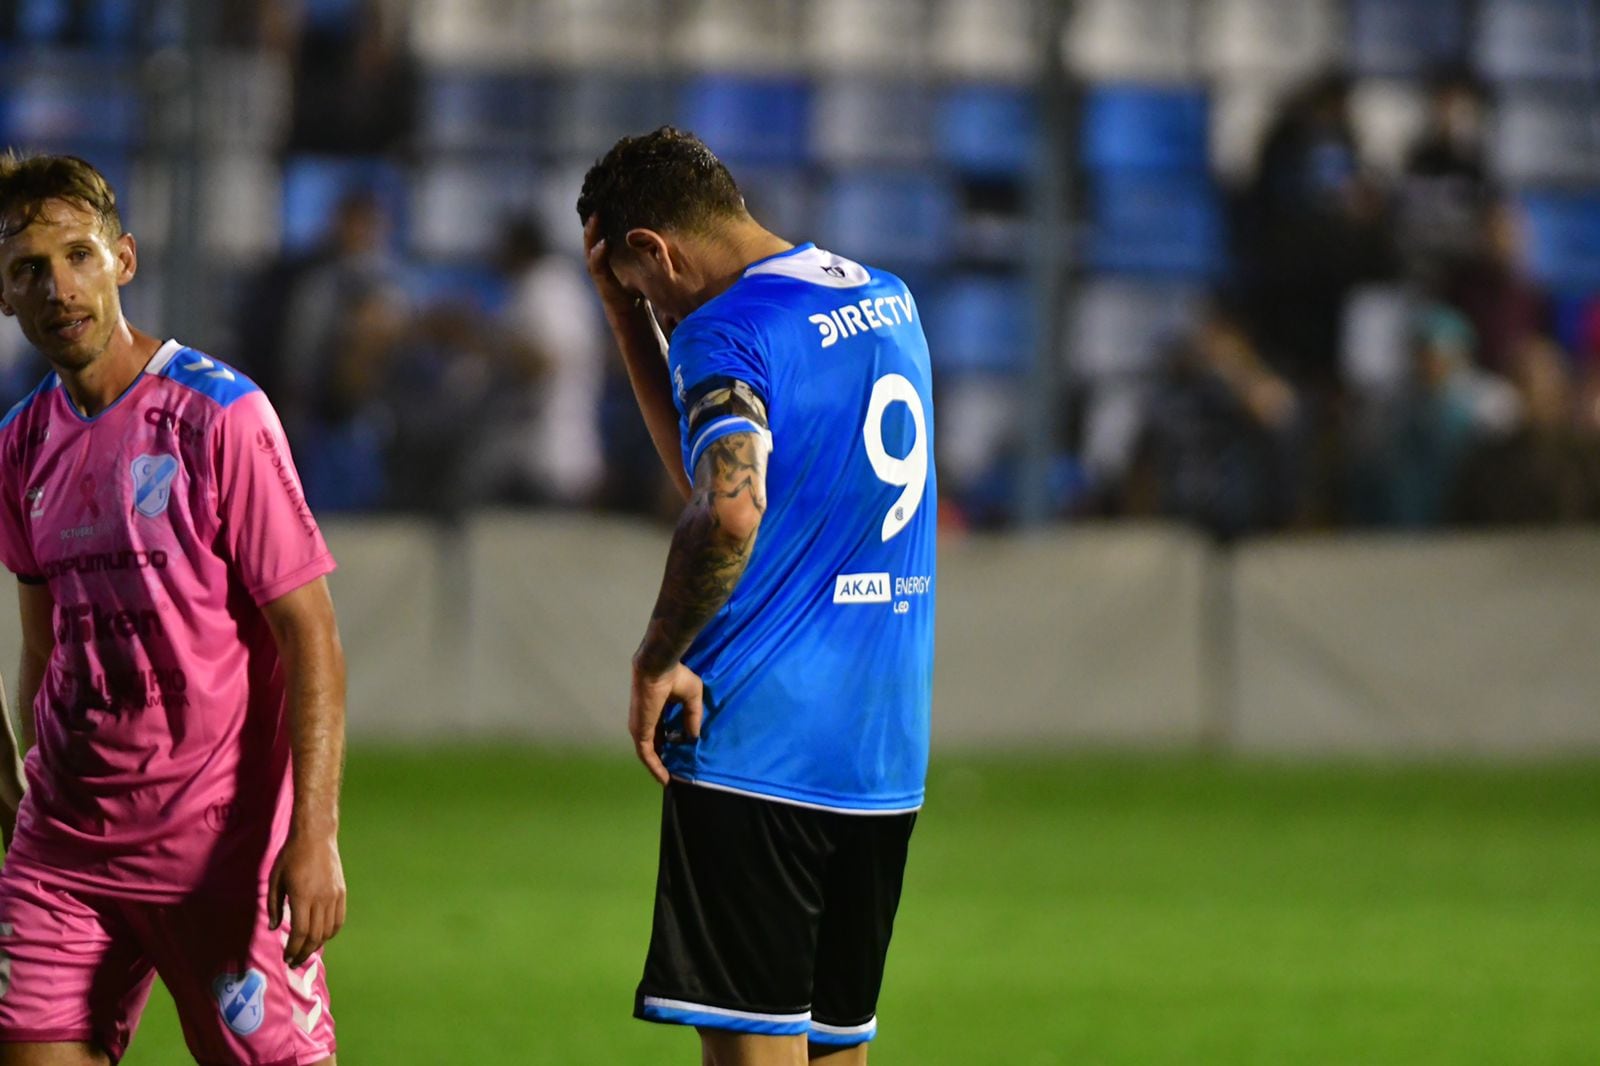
(321, 566)
(205, 375)
(715, 431)
(50, 381)
(32, 579)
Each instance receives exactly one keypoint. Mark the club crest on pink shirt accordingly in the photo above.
(152, 483)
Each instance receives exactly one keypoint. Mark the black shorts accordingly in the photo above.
(771, 918)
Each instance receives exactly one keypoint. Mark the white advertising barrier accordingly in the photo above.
(1082, 636)
(393, 604)
(1445, 645)
(555, 608)
(1088, 636)
(522, 625)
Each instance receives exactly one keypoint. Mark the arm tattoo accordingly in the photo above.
(707, 557)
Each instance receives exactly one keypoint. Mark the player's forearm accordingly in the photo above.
(316, 730)
(313, 668)
(646, 365)
(11, 780)
(703, 567)
(710, 548)
(30, 678)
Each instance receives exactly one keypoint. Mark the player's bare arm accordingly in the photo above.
(710, 547)
(308, 872)
(634, 328)
(36, 608)
(11, 785)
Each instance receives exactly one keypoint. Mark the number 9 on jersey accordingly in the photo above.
(911, 471)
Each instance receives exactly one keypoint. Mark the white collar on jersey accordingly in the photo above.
(163, 356)
(816, 266)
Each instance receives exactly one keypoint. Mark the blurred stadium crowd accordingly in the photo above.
(1328, 262)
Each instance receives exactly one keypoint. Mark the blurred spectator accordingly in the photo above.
(355, 83)
(1492, 289)
(1409, 451)
(315, 331)
(543, 445)
(1221, 447)
(302, 311)
(345, 433)
(1446, 195)
(266, 24)
(1314, 227)
(1548, 470)
(441, 377)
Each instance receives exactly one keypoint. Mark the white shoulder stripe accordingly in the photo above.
(815, 266)
(164, 355)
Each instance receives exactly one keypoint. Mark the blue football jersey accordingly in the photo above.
(819, 669)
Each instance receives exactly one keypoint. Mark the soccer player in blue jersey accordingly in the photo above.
(782, 689)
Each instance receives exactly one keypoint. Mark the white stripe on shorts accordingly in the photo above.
(847, 1030)
(724, 1012)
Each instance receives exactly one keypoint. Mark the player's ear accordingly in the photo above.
(648, 245)
(127, 253)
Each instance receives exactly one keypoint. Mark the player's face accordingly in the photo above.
(650, 273)
(60, 278)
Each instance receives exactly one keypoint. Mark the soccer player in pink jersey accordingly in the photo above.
(182, 667)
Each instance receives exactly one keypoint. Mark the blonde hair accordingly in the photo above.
(28, 182)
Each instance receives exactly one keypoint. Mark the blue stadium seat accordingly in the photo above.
(988, 130)
(779, 197)
(593, 110)
(1572, 317)
(888, 218)
(313, 185)
(1405, 36)
(980, 325)
(1135, 127)
(113, 24)
(1536, 40)
(1562, 232)
(42, 21)
(472, 285)
(1546, 137)
(467, 109)
(461, 204)
(163, 22)
(864, 119)
(1165, 225)
(57, 105)
(332, 16)
(749, 119)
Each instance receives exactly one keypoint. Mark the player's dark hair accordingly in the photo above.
(28, 182)
(664, 180)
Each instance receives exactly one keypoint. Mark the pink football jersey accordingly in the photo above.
(160, 526)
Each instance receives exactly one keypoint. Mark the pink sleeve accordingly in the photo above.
(16, 552)
(270, 534)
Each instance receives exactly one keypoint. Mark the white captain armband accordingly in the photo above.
(719, 407)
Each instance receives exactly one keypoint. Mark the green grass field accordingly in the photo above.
(1081, 911)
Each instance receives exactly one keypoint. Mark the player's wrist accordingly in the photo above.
(319, 826)
(651, 662)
